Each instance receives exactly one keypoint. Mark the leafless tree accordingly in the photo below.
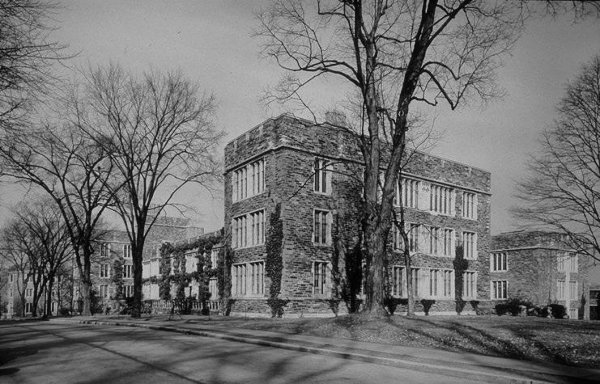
(158, 133)
(74, 172)
(26, 56)
(44, 223)
(562, 191)
(15, 255)
(394, 54)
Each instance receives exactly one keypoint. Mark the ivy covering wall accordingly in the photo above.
(274, 261)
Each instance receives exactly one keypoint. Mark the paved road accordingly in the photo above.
(64, 353)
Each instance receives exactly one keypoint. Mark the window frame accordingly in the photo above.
(498, 262)
(324, 230)
(503, 284)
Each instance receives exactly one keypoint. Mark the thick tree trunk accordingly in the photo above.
(375, 238)
(49, 298)
(86, 290)
(138, 258)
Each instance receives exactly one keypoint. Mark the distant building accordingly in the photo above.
(311, 172)
(539, 266)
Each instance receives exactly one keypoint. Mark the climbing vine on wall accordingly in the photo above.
(164, 286)
(274, 261)
(117, 278)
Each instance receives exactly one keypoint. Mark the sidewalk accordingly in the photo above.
(486, 369)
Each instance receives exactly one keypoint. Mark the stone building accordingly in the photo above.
(312, 172)
(115, 245)
(540, 267)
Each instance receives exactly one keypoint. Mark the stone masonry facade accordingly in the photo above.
(539, 267)
(311, 172)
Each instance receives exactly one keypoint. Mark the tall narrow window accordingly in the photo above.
(448, 242)
(407, 192)
(321, 230)
(469, 285)
(560, 290)
(499, 289)
(413, 237)
(128, 271)
(434, 277)
(448, 283)
(434, 240)
(322, 177)
(320, 278)
(469, 205)
(257, 227)
(415, 281)
(256, 277)
(573, 293)
(398, 282)
(104, 250)
(441, 199)
(469, 245)
(398, 240)
(127, 251)
(104, 270)
(498, 262)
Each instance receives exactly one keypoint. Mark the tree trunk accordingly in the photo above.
(49, 297)
(137, 250)
(376, 235)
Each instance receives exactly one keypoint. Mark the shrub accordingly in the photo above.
(512, 306)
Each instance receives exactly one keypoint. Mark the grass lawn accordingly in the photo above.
(570, 342)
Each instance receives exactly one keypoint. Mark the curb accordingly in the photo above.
(426, 367)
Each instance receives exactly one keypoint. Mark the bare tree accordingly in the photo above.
(26, 56)
(74, 172)
(562, 191)
(158, 132)
(16, 257)
(393, 54)
(45, 224)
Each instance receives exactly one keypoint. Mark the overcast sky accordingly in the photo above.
(211, 43)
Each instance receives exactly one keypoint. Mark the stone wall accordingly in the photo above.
(289, 147)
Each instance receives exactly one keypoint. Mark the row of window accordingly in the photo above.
(248, 279)
(565, 263)
(104, 291)
(105, 270)
(248, 180)
(435, 241)
(441, 198)
(105, 250)
(432, 283)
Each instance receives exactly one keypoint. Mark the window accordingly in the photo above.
(407, 192)
(447, 283)
(498, 262)
(415, 281)
(413, 237)
(248, 279)
(320, 286)
(398, 281)
(573, 313)
(127, 251)
(249, 229)
(239, 280)
(104, 250)
(434, 277)
(213, 288)
(573, 262)
(191, 262)
(128, 290)
(11, 278)
(469, 285)
(28, 307)
(322, 227)
(240, 232)
(434, 240)
(322, 176)
(104, 291)
(469, 245)
(248, 180)
(257, 228)
(499, 289)
(128, 271)
(53, 307)
(469, 205)
(448, 246)
(560, 290)
(441, 199)
(29, 292)
(104, 270)
(573, 290)
(214, 257)
(398, 241)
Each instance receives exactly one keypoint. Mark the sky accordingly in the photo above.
(210, 41)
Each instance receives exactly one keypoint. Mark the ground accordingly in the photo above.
(569, 342)
(41, 352)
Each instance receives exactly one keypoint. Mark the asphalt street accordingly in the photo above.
(39, 352)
